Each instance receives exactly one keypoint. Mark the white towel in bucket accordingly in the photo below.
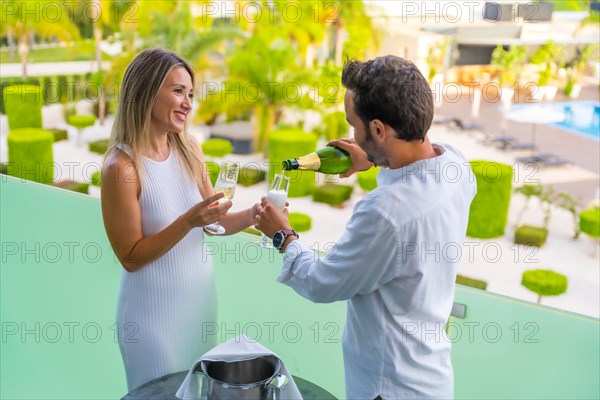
(240, 348)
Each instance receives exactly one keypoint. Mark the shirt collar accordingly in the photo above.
(388, 176)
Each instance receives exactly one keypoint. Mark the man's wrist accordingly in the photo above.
(287, 241)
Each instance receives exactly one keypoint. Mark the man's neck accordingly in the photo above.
(402, 153)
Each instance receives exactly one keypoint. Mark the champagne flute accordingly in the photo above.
(277, 194)
(226, 182)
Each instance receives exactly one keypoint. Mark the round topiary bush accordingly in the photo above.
(544, 282)
(81, 121)
(367, 180)
(23, 105)
(300, 222)
(489, 209)
(30, 154)
(292, 143)
(217, 147)
(589, 222)
(95, 179)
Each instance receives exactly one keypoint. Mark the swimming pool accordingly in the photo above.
(581, 117)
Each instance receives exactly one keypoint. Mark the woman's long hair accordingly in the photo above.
(143, 78)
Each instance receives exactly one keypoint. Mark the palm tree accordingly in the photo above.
(18, 23)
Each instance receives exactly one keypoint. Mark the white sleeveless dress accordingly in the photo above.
(164, 307)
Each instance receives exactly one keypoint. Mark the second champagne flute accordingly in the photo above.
(226, 182)
(277, 194)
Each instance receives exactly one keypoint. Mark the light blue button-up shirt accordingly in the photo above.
(396, 263)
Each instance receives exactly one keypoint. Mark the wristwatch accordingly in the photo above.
(280, 236)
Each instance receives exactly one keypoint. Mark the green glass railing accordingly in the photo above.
(58, 290)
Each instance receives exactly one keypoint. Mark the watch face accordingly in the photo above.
(278, 240)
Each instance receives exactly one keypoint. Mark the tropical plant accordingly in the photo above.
(436, 57)
(576, 66)
(509, 63)
(548, 57)
(24, 26)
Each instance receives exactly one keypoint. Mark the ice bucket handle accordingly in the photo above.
(276, 386)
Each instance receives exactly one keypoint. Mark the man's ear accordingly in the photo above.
(377, 130)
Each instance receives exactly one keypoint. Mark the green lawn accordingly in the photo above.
(81, 51)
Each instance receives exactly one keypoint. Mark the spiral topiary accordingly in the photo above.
(292, 143)
(489, 209)
(30, 154)
(23, 105)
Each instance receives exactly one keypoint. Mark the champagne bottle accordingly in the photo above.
(328, 160)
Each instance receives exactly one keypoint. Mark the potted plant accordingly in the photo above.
(548, 58)
(508, 63)
(575, 69)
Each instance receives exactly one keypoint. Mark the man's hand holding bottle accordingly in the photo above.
(358, 156)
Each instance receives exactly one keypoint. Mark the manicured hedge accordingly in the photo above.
(476, 283)
(531, 236)
(545, 282)
(59, 134)
(300, 222)
(292, 143)
(30, 154)
(332, 194)
(23, 106)
(367, 180)
(489, 209)
(589, 222)
(217, 147)
(99, 146)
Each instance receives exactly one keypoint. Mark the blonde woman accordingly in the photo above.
(156, 197)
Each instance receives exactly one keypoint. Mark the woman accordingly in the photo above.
(156, 197)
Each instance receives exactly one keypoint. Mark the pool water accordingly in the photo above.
(582, 117)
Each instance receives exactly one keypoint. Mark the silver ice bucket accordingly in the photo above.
(255, 379)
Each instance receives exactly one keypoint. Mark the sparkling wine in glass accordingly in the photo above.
(277, 194)
(226, 183)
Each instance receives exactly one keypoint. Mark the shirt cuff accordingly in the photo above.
(292, 251)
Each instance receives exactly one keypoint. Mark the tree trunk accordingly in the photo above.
(264, 118)
(539, 299)
(23, 53)
(101, 96)
(309, 59)
(10, 39)
(339, 45)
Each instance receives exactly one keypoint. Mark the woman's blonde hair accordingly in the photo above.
(143, 78)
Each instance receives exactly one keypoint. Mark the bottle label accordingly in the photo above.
(310, 162)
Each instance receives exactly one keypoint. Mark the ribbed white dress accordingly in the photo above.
(164, 306)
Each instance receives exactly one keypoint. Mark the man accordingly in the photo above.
(392, 262)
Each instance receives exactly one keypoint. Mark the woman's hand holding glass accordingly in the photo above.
(225, 184)
(207, 212)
